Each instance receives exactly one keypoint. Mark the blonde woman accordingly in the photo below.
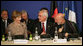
(18, 29)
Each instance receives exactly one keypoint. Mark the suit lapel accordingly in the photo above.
(39, 28)
(7, 22)
(47, 27)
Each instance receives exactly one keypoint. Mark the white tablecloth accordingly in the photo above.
(48, 42)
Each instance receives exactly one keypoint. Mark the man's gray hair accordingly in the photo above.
(24, 12)
(45, 13)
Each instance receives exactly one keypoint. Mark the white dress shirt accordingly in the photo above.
(5, 23)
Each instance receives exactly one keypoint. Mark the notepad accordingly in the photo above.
(59, 40)
(21, 41)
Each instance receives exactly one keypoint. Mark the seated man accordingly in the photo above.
(5, 21)
(66, 28)
(43, 25)
(27, 21)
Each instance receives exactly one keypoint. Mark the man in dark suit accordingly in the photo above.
(43, 25)
(5, 21)
(27, 21)
(66, 28)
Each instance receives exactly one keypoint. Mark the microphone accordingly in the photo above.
(22, 20)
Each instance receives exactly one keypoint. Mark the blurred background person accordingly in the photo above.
(5, 21)
(66, 28)
(17, 29)
(27, 21)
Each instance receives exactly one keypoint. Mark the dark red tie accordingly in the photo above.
(43, 27)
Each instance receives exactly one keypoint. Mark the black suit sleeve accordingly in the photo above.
(51, 29)
(75, 30)
(70, 28)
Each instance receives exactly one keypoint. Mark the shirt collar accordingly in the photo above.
(44, 22)
(3, 20)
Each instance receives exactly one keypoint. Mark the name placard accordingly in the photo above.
(59, 40)
(21, 41)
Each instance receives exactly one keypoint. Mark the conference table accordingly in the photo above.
(47, 42)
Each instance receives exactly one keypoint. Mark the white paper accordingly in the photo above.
(59, 40)
(22, 41)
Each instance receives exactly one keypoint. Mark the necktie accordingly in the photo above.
(43, 27)
(5, 24)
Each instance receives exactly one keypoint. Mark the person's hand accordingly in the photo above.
(66, 34)
(43, 33)
(6, 31)
(60, 29)
(29, 32)
(24, 22)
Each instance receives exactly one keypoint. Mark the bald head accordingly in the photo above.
(59, 15)
(59, 18)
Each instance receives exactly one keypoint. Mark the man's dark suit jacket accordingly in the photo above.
(3, 26)
(69, 27)
(49, 28)
(29, 24)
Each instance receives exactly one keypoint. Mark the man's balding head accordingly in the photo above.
(59, 15)
(59, 18)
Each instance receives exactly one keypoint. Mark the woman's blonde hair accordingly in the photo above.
(15, 14)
